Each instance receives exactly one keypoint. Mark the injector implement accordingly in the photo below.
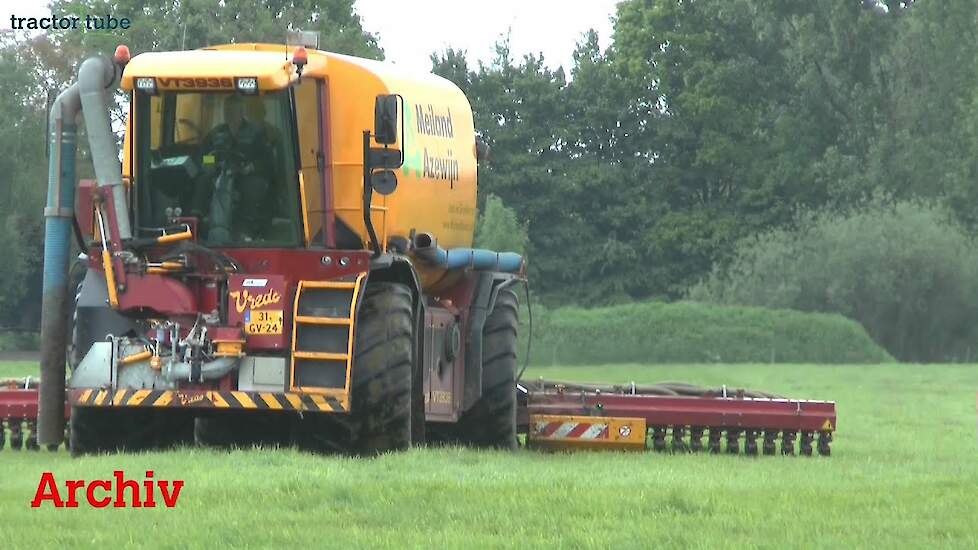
(284, 256)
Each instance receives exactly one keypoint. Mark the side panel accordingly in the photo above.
(436, 190)
(351, 101)
(442, 366)
(85, 209)
(437, 183)
(452, 355)
(557, 432)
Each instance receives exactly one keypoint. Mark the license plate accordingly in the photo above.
(263, 322)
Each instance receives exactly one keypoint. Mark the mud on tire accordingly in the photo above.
(383, 367)
(382, 384)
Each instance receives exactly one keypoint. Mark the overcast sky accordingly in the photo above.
(410, 31)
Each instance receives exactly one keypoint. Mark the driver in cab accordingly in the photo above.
(236, 177)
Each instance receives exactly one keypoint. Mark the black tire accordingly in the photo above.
(73, 353)
(491, 422)
(418, 431)
(384, 361)
(95, 430)
(382, 388)
(323, 433)
(239, 429)
(383, 370)
(76, 280)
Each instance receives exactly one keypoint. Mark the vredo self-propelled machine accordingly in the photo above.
(285, 256)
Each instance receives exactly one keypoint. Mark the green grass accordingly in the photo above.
(689, 332)
(17, 369)
(903, 474)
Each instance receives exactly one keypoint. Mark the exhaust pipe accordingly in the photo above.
(479, 259)
(211, 370)
(96, 81)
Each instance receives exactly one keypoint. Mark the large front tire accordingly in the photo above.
(383, 368)
(382, 386)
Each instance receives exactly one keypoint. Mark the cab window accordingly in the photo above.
(226, 159)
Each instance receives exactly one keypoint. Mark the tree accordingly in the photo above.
(712, 120)
(22, 184)
(161, 25)
(905, 270)
(499, 229)
(766, 106)
(519, 113)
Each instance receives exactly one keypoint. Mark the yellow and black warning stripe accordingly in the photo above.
(208, 399)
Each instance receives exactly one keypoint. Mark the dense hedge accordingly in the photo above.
(19, 341)
(905, 271)
(689, 332)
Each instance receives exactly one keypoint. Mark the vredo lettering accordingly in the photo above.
(99, 493)
(247, 300)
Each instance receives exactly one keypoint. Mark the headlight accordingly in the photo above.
(247, 85)
(146, 84)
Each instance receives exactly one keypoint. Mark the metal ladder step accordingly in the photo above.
(335, 285)
(322, 356)
(329, 321)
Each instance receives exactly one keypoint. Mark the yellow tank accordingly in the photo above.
(436, 190)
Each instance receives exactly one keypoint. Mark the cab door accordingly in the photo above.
(311, 118)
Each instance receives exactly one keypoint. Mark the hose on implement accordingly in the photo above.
(661, 388)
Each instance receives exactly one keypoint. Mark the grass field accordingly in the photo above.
(904, 473)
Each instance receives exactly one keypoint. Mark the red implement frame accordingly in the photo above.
(557, 416)
(18, 403)
(682, 414)
(18, 414)
(709, 412)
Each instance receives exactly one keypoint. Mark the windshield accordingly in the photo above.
(222, 158)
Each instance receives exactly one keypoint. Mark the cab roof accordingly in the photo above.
(270, 63)
(274, 70)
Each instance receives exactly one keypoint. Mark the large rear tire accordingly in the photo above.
(491, 422)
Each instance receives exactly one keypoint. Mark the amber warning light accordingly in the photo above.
(121, 56)
(299, 59)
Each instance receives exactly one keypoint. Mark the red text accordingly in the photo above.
(118, 492)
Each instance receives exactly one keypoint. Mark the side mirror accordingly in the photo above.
(385, 119)
(384, 181)
(384, 157)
